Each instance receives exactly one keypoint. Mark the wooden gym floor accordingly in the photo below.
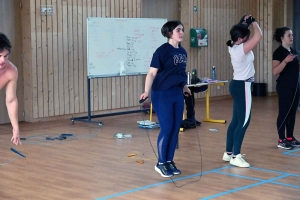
(94, 165)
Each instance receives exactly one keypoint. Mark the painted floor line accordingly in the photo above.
(243, 188)
(160, 183)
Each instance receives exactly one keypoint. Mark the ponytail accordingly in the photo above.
(237, 32)
(229, 43)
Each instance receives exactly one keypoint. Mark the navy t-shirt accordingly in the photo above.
(171, 65)
(289, 75)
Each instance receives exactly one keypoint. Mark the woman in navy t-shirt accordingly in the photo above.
(286, 65)
(167, 80)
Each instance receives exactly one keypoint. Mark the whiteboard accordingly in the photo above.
(122, 46)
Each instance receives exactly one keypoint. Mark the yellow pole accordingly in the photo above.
(207, 102)
(207, 119)
(151, 112)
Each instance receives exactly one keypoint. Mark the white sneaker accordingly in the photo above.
(239, 161)
(226, 157)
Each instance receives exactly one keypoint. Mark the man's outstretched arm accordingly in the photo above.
(12, 105)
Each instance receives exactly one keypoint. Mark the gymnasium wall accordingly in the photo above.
(55, 59)
(217, 17)
(54, 48)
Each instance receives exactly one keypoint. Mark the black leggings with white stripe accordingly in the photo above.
(242, 101)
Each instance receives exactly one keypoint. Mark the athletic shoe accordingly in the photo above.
(164, 170)
(294, 142)
(173, 168)
(285, 144)
(227, 157)
(198, 123)
(239, 161)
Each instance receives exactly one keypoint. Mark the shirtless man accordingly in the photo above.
(8, 80)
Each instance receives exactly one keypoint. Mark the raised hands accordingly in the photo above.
(246, 21)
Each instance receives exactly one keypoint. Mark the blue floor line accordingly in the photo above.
(293, 154)
(257, 179)
(240, 176)
(260, 182)
(160, 183)
(286, 184)
(291, 151)
(243, 188)
(273, 171)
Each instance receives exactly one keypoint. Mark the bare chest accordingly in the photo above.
(3, 79)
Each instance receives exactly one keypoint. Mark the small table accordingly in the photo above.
(216, 83)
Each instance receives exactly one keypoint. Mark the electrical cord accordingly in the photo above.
(63, 138)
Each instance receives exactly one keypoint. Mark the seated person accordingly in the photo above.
(190, 105)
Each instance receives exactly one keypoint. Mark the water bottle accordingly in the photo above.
(188, 78)
(122, 135)
(127, 135)
(122, 69)
(213, 73)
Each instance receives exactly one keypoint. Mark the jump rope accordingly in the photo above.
(194, 181)
(63, 136)
(15, 151)
(289, 108)
(291, 104)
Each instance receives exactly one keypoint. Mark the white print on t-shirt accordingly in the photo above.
(180, 58)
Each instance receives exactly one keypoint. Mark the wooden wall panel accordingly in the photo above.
(28, 38)
(57, 45)
(161, 9)
(56, 75)
(218, 17)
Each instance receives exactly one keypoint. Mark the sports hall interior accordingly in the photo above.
(50, 54)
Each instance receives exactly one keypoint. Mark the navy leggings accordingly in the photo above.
(242, 101)
(168, 106)
(288, 99)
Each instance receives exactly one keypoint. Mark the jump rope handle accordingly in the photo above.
(17, 152)
(143, 100)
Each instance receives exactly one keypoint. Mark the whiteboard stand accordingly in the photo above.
(89, 117)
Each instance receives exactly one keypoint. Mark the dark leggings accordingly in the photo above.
(190, 101)
(288, 99)
(190, 105)
(242, 101)
(168, 106)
